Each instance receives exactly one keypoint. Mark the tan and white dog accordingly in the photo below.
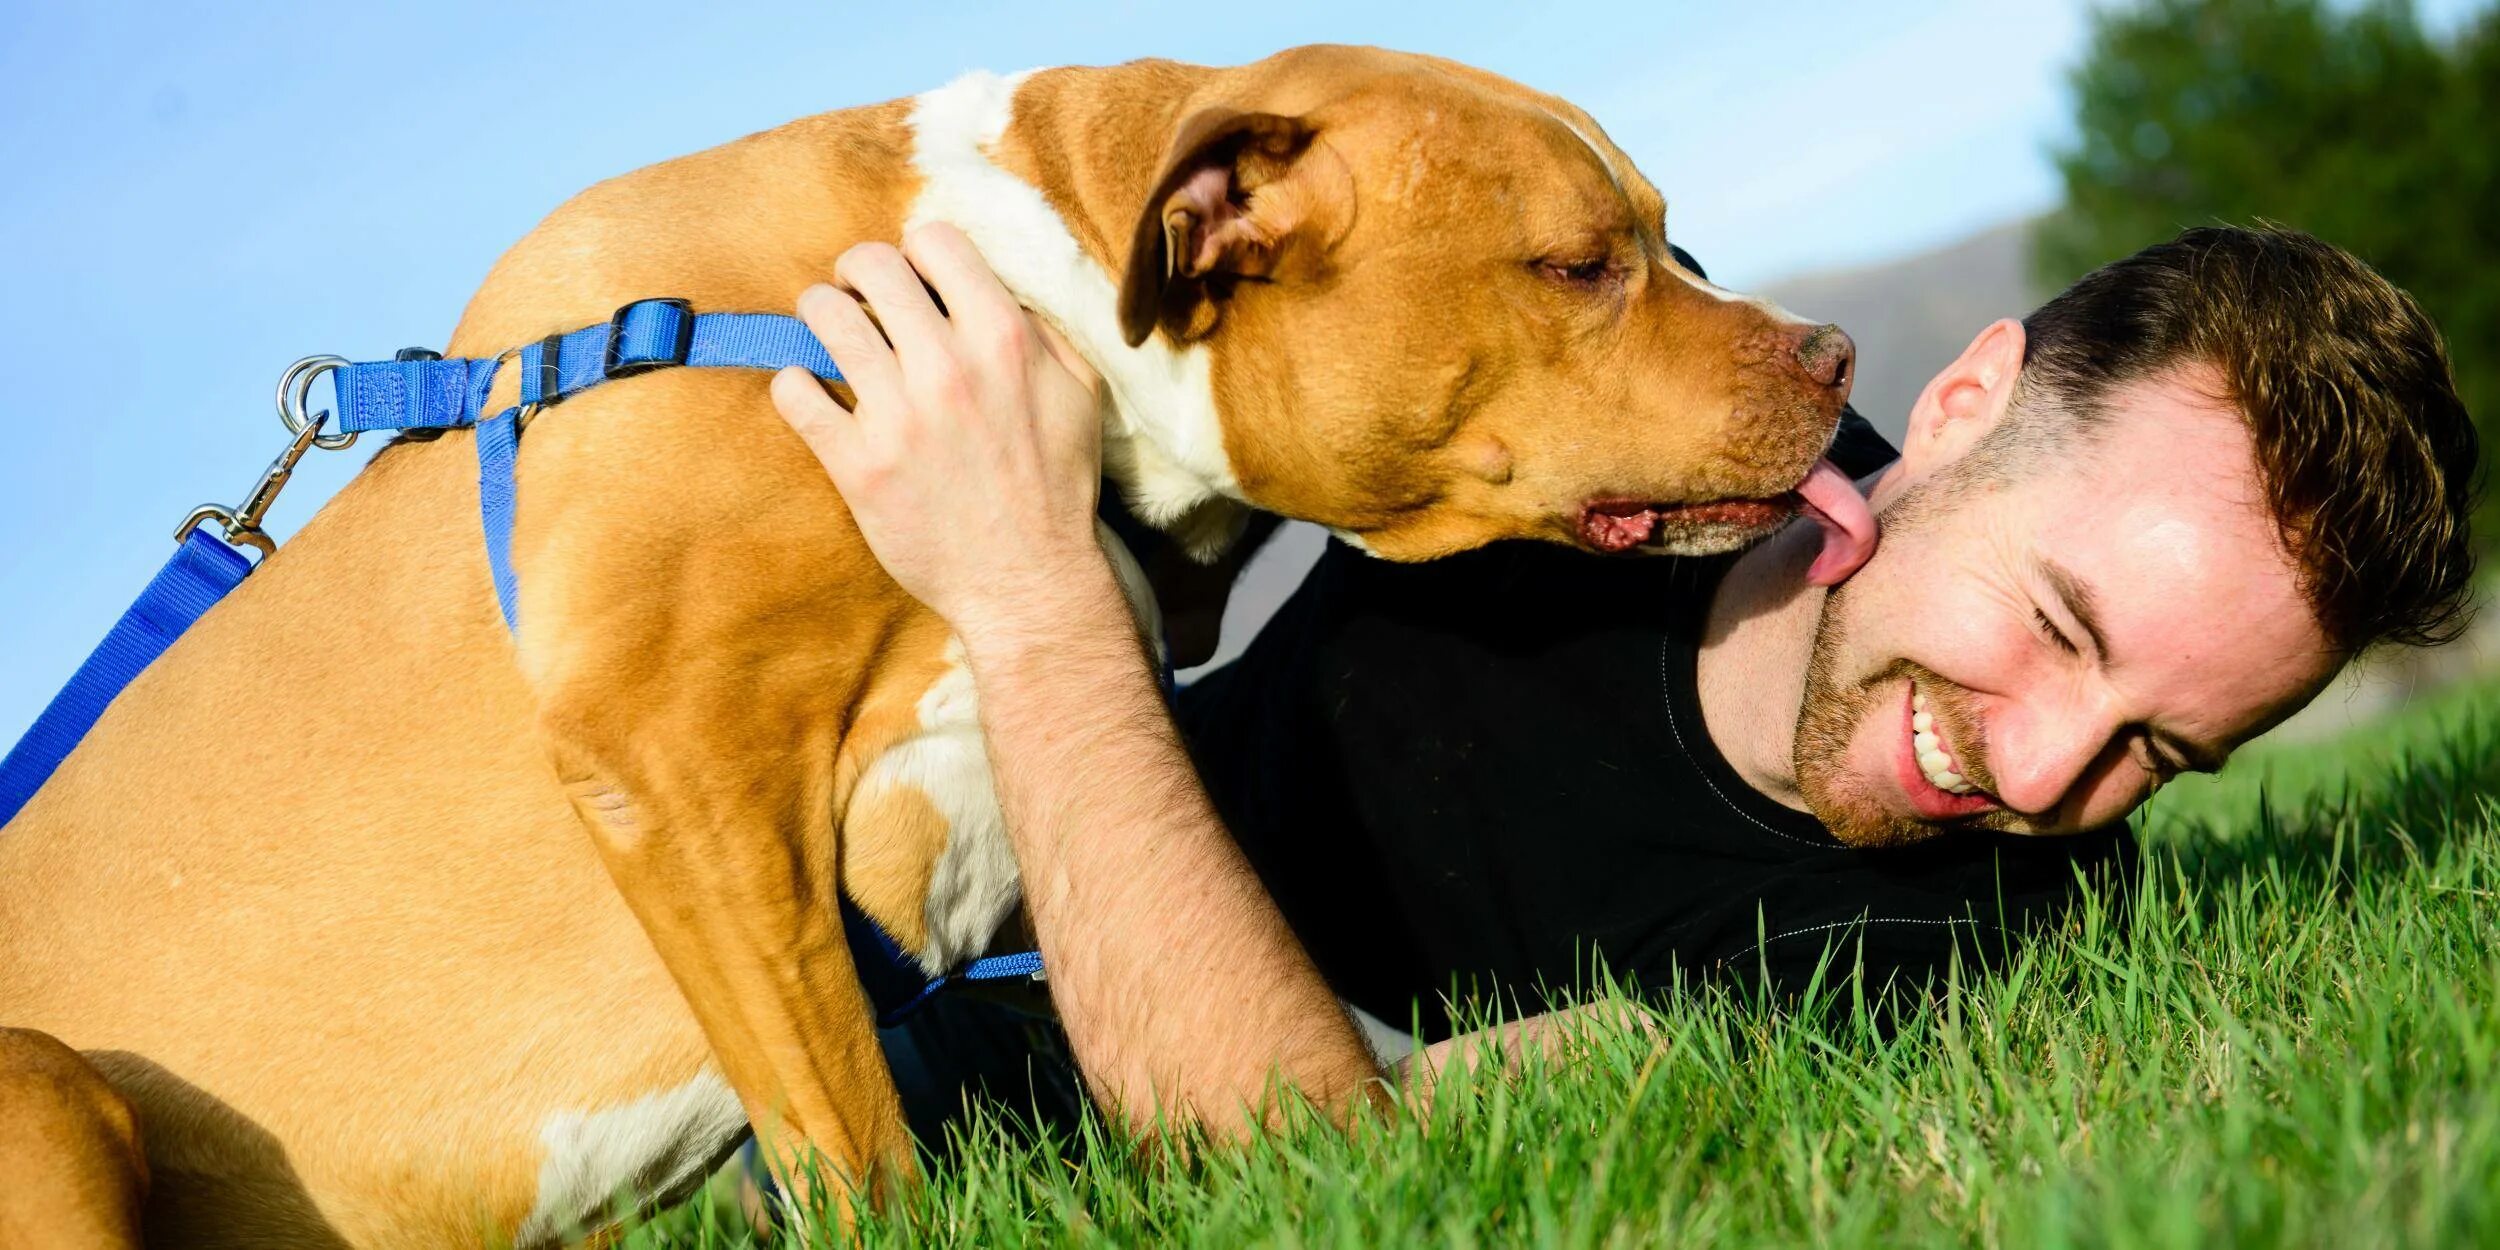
(396, 928)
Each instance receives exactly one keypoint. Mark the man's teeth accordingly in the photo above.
(1932, 761)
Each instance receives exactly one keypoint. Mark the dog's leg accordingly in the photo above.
(71, 1172)
(699, 669)
(716, 818)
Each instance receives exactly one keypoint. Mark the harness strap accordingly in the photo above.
(647, 334)
(202, 570)
(423, 394)
(895, 983)
(498, 502)
(419, 391)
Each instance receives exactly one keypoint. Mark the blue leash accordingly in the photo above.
(420, 390)
(202, 571)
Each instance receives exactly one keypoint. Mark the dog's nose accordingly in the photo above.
(1826, 355)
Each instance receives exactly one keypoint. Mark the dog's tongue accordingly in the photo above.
(1848, 526)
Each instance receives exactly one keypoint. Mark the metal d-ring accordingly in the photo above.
(295, 393)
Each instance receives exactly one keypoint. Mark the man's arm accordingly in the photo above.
(1170, 966)
(971, 465)
(1509, 1044)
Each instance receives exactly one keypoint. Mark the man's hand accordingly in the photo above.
(1551, 1036)
(973, 459)
(970, 465)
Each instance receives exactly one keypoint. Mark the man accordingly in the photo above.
(2122, 537)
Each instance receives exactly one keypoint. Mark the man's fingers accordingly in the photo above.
(828, 431)
(881, 277)
(975, 299)
(858, 348)
(1066, 354)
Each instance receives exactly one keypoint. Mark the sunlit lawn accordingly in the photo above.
(2291, 1041)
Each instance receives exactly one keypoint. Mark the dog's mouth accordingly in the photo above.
(1720, 525)
(1688, 529)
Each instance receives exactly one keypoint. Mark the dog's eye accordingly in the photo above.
(1582, 273)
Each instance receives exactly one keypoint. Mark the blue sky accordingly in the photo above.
(195, 195)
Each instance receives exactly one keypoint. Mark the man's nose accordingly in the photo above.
(2038, 767)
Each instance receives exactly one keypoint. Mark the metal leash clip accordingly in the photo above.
(242, 522)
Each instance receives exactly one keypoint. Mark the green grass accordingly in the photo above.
(2294, 1039)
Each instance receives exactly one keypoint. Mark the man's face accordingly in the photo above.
(2075, 633)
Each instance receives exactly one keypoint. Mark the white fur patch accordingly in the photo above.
(974, 884)
(1713, 289)
(654, 1149)
(1594, 150)
(1726, 296)
(1704, 285)
(1162, 440)
(1354, 540)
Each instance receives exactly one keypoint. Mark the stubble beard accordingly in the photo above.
(1827, 722)
(1847, 803)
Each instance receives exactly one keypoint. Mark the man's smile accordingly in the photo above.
(1931, 776)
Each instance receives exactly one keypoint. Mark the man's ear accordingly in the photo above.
(1220, 211)
(1966, 400)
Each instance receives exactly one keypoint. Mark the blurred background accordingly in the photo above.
(196, 195)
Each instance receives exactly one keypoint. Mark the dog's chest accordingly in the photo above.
(930, 793)
(941, 771)
(654, 1149)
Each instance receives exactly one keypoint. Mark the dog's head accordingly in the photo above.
(1441, 311)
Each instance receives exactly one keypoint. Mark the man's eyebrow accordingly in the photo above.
(2079, 601)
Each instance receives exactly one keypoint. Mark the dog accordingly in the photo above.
(383, 925)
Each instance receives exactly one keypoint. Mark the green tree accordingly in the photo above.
(2351, 123)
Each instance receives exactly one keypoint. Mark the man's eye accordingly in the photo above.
(2150, 757)
(2057, 637)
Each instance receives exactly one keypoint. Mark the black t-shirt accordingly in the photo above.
(1473, 775)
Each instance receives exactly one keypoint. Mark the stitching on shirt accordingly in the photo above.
(1666, 696)
(1841, 924)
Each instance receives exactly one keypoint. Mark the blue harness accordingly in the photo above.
(419, 390)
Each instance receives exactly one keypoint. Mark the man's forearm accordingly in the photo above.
(1181, 988)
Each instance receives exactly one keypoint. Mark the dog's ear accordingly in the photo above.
(1221, 211)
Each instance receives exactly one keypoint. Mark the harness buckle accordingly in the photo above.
(242, 522)
(616, 365)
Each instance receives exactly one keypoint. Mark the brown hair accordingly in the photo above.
(2368, 456)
